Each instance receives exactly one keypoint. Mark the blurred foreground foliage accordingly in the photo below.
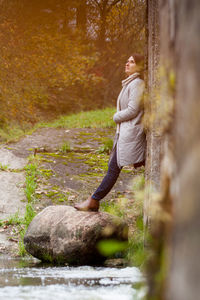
(131, 211)
(59, 57)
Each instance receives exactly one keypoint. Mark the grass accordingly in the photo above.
(106, 147)
(3, 167)
(101, 118)
(90, 119)
(65, 147)
(30, 192)
(31, 182)
(22, 223)
(136, 253)
(93, 119)
(28, 217)
(14, 219)
(116, 208)
(11, 132)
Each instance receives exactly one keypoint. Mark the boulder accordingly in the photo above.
(61, 234)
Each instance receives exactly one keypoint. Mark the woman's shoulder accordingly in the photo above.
(137, 82)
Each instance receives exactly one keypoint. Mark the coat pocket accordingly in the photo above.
(130, 133)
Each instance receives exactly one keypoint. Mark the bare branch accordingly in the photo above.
(113, 4)
(96, 2)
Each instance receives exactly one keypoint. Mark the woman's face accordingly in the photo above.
(130, 66)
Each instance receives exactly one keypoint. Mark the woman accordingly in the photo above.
(130, 141)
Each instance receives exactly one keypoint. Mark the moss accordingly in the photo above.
(59, 198)
(98, 139)
(127, 171)
(55, 155)
(89, 174)
(80, 142)
(82, 149)
(43, 159)
(60, 260)
(55, 187)
(46, 173)
(85, 134)
(47, 257)
(65, 148)
(52, 194)
(80, 156)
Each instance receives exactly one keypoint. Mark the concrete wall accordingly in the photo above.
(178, 150)
(153, 137)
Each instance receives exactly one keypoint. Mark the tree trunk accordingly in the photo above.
(81, 16)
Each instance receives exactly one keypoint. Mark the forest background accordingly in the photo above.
(60, 57)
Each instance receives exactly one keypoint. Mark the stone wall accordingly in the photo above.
(153, 137)
(175, 176)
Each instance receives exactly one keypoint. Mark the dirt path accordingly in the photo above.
(70, 167)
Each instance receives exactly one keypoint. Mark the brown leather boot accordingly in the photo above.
(88, 205)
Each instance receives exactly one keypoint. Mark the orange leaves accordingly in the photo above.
(42, 61)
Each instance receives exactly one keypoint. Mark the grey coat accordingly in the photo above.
(130, 138)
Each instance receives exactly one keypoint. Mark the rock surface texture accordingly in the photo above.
(61, 234)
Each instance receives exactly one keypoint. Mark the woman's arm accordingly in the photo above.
(134, 104)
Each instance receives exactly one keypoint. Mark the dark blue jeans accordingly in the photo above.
(109, 180)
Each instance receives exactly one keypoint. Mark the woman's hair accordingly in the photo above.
(139, 60)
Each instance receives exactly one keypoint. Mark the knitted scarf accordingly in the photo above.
(130, 78)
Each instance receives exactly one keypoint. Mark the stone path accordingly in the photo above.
(11, 183)
(11, 190)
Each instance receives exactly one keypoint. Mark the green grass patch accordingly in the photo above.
(136, 253)
(106, 147)
(31, 181)
(14, 219)
(46, 173)
(3, 167)
(90, 119)
(116, 208)
(97, 161)
(30, 192)
(11, 133)
(21, 224)
(101, 118)
(28, 217)
(65, 147)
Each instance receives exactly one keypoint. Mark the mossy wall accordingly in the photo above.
(173, 160)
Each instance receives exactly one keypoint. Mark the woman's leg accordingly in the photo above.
(109, 179)
(92, 203)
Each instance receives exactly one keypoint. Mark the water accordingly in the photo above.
(28, 279)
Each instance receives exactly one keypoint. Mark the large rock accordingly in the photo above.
(62, 234)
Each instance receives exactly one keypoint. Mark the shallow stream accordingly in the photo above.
(23, 279)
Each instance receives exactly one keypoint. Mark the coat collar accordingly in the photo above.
(130, 78)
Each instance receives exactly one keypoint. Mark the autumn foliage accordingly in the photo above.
(58, 57)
